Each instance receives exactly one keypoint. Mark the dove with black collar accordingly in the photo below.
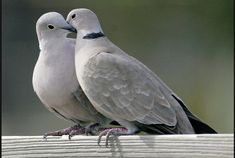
(124, 89)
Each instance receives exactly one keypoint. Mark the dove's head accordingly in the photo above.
(84, 21)
(52, 25)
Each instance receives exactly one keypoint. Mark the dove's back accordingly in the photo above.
(124, 89)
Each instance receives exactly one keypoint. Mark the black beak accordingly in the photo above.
(71, 29)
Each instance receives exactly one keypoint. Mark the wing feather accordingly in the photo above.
(123, 88)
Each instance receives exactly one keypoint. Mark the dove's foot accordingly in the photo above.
(74, 130)
(112, 131)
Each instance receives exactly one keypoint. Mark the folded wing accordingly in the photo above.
(121, 88)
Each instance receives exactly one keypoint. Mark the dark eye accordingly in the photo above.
(73, 16)
(50, 27)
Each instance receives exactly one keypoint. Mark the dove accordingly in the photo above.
(54, 79)
(123, 89)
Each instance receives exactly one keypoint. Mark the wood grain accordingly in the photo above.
(179, 146)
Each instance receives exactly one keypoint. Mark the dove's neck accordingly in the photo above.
(90, 34)
(93, 35)
(42, 44)
(50, 42)
(47, 40)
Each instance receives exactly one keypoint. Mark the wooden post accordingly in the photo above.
(162, 146)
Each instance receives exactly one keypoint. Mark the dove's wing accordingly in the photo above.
(84, 101)
(122, 88)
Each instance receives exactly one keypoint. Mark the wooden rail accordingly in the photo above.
(180, 146)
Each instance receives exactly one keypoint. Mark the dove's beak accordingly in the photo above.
(70, 28)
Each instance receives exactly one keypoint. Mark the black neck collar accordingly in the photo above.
(93, 35)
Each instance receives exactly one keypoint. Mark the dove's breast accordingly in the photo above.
(54, 78)
(55, 81)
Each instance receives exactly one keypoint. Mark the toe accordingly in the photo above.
(103, 133)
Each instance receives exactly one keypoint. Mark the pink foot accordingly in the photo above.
(77, 129)
(92, 129)
(112, 131)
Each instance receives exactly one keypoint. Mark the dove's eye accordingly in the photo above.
(73, 16)
(50, 27)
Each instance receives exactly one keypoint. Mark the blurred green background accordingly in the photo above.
(188, 43)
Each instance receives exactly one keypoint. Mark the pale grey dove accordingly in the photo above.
(124, 89)
(54, 77)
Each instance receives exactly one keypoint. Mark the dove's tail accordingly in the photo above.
(199, 126)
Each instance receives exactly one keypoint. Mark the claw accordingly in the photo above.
(55, 133)
(76, 131)
(103, 133)
(107, 138)
(87, 132)
(70, 136)
(45, 136)
(112, 131)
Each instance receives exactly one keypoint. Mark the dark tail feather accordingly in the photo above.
(198, 125)
(157, 129)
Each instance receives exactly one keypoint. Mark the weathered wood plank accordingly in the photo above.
(179, 146)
